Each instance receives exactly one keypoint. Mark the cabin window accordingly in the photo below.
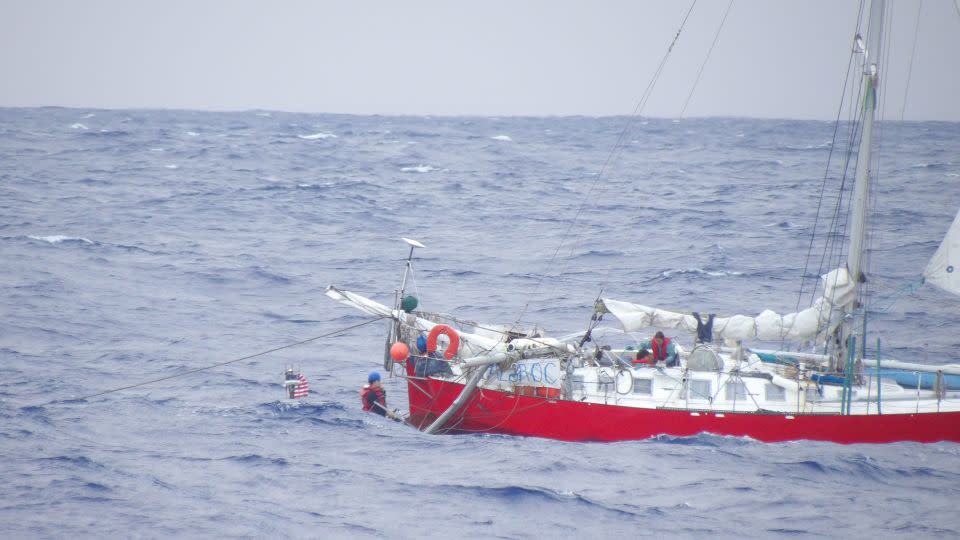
(736, 391)
(643, 387)
(700, 389)
(775, 393)
(576, 383)
(605, 381)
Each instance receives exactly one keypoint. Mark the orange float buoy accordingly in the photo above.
(399, 351)
(450, 333)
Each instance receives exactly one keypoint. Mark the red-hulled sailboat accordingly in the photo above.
(465, 377)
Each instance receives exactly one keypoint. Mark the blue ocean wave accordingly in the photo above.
(104, 133)
(81, 462)
(256, 460)
(514, 494)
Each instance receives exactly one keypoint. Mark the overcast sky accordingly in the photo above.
(492, 57)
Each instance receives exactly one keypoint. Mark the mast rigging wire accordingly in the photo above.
(218, 364)
(826, 175)
(913, 55)
(616, 148)
(707, 59)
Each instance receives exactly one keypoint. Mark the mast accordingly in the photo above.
(861, 190)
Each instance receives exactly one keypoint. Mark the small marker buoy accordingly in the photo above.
(399, 351)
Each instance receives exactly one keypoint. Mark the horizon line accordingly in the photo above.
(448, 115)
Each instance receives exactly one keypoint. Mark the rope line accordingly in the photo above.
(826, 176)
(705, 60)
(218, 364)
(895, 296)
(913, 55)
(617, 147)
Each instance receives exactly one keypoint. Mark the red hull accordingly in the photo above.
(499, 412)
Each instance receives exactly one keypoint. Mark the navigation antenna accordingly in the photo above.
(406, 270)
(394, 329)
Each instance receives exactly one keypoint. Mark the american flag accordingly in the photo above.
(302, 389)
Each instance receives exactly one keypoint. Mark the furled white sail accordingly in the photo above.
(362, 303)
(768, 325)
(943, 270)
(470, 344)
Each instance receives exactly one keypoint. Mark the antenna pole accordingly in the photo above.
(393, 330)
(406, 270)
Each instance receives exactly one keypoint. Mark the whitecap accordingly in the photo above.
(57, 238)
(89, 115)
(192, 133)
(502, 138)
(419, 168)
(157, 150)
(699, 271)
(172, 166)
(318, 136)
(781, 224)
(78, 125)
(952, 174)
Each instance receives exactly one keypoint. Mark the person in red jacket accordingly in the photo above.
(374, 398)
(663, 349)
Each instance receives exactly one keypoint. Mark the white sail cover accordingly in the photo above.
(839, 289)
(362, 303)
(470, 344)
(943, 270)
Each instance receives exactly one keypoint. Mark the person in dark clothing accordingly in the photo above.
(374, 397)
(643, 358)
(427, 364)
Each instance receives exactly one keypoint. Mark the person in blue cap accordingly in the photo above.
(427, 364)
(374, 397)
(420, 359)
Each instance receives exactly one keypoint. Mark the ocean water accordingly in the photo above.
(138, 245)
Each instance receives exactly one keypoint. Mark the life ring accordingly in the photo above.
(629, 388)
(450, 333)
